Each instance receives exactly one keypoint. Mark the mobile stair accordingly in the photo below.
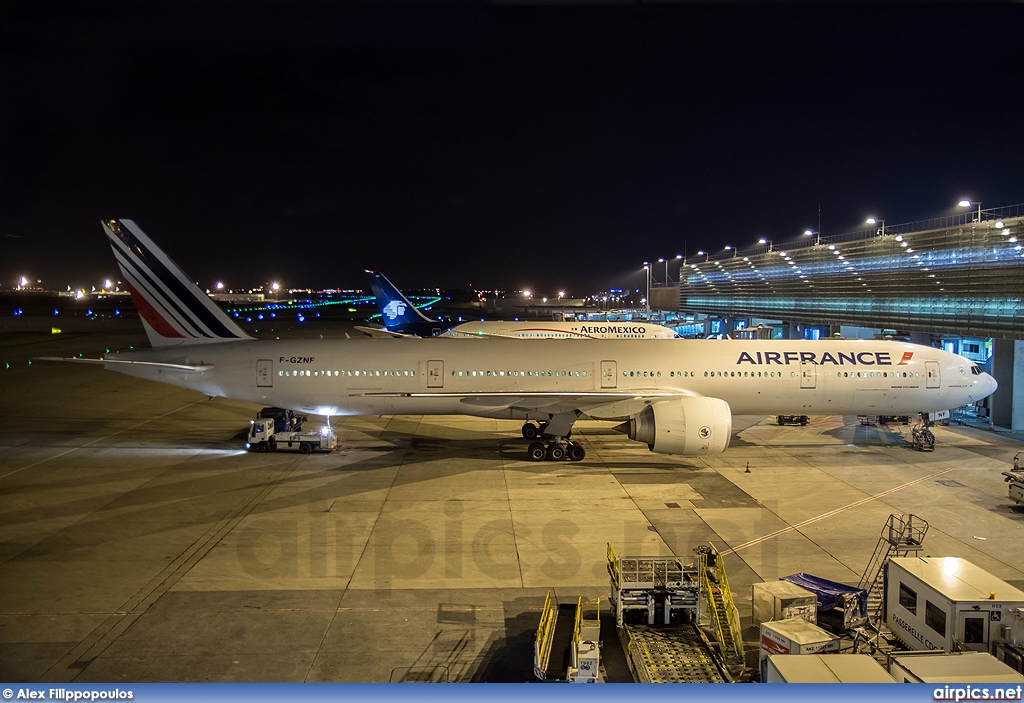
(903, 535)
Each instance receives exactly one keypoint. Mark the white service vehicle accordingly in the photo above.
(949, 604)
(1016, 480)
(263, 438)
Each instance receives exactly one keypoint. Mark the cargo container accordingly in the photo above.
(782, 600)
(794, 637)
(957, 667)
(948, 603)
(817, 668)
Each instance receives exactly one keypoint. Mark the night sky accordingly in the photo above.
(518, 146)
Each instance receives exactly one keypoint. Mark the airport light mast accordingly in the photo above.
(966, 202)
(647, 300)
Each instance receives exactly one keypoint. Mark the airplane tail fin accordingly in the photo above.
(395, 308)
(173, 309)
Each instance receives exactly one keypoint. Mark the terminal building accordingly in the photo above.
(954, 282)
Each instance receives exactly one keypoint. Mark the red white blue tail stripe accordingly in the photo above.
(173, 309)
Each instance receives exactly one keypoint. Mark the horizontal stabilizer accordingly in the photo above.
(195, 368)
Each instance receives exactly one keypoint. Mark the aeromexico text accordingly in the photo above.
(784, 358)
(611, 329)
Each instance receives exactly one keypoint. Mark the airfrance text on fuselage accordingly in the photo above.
(864, 358)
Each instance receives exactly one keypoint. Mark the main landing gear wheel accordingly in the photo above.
(530, 431)
(556, 452)
(537, 451)
(576, 452)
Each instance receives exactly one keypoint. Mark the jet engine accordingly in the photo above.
(692, 426)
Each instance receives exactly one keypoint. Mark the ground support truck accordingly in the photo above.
(657, 605)
(949, 604)
(1016, 480)
(263, 437)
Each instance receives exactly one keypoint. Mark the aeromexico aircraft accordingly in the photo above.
(401, 318)
(678, 398)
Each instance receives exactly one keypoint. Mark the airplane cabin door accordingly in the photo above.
(608, 374)
(264, 373)
(435, 374)
(931, 369)
(808, 375)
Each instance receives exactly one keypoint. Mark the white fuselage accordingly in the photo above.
(452, 377)
(561, 330)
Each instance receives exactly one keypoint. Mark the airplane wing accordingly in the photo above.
(381, 332)
(599, 404)
(195, 368)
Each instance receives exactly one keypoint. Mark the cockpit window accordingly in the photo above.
(975, 371)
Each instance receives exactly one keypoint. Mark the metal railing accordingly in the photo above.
(945, 222)
(731, 625)
(543, 639)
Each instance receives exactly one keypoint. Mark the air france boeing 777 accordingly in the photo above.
(677, 397)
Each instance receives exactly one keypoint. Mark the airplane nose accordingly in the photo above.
(991, 385)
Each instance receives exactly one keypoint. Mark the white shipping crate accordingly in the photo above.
(782, 600)
(817, 668)
(795, 637)
(958, 667)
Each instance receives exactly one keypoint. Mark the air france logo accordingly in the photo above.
(907, 356)
(840, 358)
(704, 432)
(394, 309)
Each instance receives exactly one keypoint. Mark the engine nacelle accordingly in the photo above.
(687, 426)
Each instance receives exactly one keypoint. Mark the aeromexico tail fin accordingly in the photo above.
(173, 309)
(395, 308)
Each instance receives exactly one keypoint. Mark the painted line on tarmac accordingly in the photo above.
(100, 439)
(833, 512)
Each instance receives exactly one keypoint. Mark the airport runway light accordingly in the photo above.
(966, 202)
(873, 221)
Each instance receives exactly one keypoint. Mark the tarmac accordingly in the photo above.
(139, 542)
